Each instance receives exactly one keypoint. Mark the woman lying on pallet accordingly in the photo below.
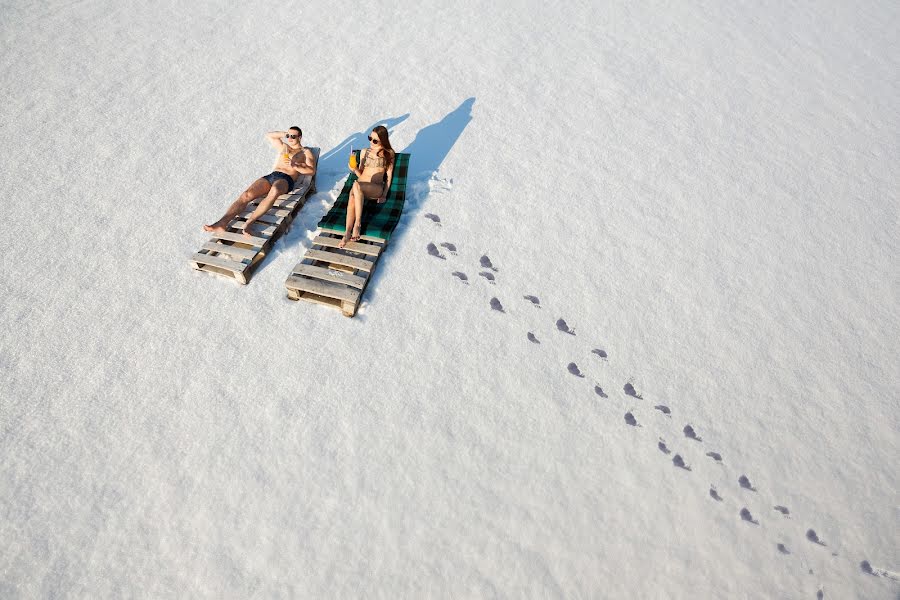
(293, 161)
(376, 167)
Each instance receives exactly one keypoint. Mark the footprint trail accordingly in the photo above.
(630, 418)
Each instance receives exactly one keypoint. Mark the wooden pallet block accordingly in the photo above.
(334, 276)
(232, 254)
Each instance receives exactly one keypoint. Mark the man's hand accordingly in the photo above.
(382, 199)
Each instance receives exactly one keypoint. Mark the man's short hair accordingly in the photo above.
(300, 131)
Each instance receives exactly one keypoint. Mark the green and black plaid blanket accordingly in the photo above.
(379, 220)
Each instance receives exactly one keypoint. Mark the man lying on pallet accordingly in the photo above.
(293, 160)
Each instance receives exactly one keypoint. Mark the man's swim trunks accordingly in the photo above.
(276, 175)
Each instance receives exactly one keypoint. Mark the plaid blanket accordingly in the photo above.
(379, 220)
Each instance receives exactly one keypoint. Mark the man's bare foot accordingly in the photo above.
(214, 227)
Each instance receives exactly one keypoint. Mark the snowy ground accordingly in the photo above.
(707, 192)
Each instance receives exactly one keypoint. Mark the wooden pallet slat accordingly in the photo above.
(340, 259)
(285, 203)
(258, 229)
(267, 218)
(322, 288)
(332, 242)
(221, 266)
(272, 212)
(217, 261)
(332, 275)
(368, 238)
(240, 238)
(230, 249)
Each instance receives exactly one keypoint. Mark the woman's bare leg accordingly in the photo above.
(256, 189)
(364, 189)
(278, 188)
(359, 210)
(353, 214)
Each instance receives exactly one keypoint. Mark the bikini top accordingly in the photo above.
(374, 161)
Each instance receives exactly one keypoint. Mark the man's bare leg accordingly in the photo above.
(256, 189)
(278, 188)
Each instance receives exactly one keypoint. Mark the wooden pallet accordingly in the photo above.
(335, 276)
(233, 255)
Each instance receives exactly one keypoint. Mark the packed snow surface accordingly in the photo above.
(654, 353)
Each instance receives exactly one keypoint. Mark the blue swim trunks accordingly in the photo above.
(276, 175)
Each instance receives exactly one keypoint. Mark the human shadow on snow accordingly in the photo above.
(428, 150)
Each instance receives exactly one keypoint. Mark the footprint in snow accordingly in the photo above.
(746, 516)
(783, 510)
(486, 264)
(534, 300)
(690, 434)
(462, 277)
(630, 420)
(532, 339)
(434, 218)
(601, 353)
(662, 446)
(574, 370)
(488, 276)
(663, 409)
(867, 568)
(812, 536)
(745, 483)
(783, 549)
(629, 391)
(714, 494)
(715, 456)
(449, 246)
(495, 305)
(433, 251)
(679, 462)
(564, 327)
(599, 391)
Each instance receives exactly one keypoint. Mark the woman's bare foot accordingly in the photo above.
(355, 236)
(246, 230)
(344, 241)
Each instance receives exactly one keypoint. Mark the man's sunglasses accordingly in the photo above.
(374, 140)
(292, 136)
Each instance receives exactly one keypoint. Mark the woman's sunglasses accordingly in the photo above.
(374, 140)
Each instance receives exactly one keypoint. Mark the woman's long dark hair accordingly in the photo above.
(382, 133)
